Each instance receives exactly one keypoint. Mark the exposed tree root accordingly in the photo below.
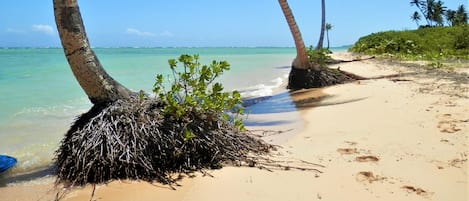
(311, 78)
(130, 139)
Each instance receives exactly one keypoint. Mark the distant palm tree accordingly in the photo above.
(323, 25)
(421, 5)
(328, 28)
(429, 7)
(461, 16)
(451, 17)
(416, 17)
(438, 10)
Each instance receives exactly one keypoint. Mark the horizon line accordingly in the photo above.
(149, 47)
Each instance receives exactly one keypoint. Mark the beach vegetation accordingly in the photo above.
(425, 43)
(131, 135)
(192, 91)
(321, 56)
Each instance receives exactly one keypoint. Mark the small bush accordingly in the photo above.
(193, 91)
(320, 56)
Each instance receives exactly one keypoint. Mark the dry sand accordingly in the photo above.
(402, 138)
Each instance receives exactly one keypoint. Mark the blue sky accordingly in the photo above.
(203, 23)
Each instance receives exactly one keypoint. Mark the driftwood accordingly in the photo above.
(339, 61)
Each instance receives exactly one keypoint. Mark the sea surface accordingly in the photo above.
(39, 96)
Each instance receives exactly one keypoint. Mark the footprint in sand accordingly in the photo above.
(448, 126)
(366, 159)
(415, 190)
(368, 177)
(347, 151)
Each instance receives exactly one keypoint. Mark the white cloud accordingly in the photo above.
(167, 34)
(46, 29)
(137, 32)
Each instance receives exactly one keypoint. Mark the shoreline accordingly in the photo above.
(386, 139)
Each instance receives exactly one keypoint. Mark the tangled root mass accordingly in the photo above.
(131, 139)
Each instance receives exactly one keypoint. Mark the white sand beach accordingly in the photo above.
(400, 138)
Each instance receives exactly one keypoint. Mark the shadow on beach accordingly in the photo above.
(292, 101)
(40, 173)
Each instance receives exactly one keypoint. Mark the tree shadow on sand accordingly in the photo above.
(29, 176)
(293, 101)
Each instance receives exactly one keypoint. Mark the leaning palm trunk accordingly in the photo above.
(301, 60)
(303, 73)
(97, 84)
(323, 25)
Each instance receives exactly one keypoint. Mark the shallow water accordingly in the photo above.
(40, 97)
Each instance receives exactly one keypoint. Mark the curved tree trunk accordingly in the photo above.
(323, 25)
(97, 84)
(301, 60)
(303, 73)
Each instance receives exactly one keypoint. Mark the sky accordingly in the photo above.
(204, 23)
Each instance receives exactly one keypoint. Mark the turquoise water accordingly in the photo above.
(40, 97)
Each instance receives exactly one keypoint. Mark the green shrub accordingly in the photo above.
(462, 39)
(320, 56)
(193, 91)
(424, 43)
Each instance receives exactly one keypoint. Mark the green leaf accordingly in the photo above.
(188, 135)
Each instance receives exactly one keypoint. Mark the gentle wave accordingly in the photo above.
(262, 90)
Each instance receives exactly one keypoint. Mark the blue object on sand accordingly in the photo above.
(6, 162)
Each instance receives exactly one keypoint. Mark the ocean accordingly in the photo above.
(40, 97)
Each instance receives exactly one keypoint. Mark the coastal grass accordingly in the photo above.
(430, 43)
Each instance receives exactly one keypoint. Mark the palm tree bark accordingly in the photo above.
(97, 84)
(323, 25)
(301, 60)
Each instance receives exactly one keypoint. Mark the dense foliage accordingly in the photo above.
(423, 43)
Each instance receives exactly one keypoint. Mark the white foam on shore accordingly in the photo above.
(265, 89)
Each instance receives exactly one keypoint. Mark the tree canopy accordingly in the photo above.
(435, 13)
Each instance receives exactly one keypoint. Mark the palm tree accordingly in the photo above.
(97, 84)
(461, 16)
(421, 5)
(328, 28)
(451, 17)
(303, 73)
(301, 60)
(438, 10)
(323, 25)
(416, 17)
